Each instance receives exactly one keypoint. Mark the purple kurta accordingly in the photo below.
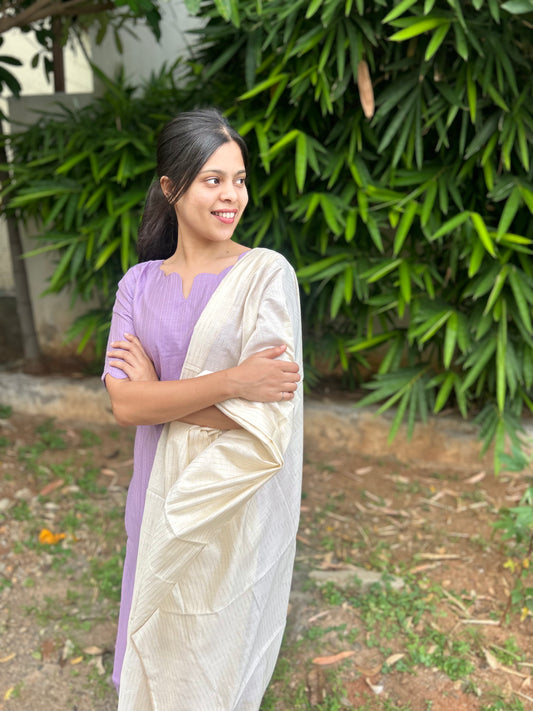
(151, 306)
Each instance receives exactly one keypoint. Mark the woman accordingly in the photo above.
(205, 337)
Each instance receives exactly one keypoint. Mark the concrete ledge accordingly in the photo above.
(331, 425)
(445, 439)
(83, 399)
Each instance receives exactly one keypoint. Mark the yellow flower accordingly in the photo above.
(48, 538)
(510, 565)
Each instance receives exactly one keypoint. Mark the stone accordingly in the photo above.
(353, 575)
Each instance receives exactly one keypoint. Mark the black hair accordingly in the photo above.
(183, 147)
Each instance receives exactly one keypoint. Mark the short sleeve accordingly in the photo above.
(122, 319)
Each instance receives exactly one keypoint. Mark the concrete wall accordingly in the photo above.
(142, 54)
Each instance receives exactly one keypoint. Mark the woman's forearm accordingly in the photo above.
(211, 417)
(157, 402)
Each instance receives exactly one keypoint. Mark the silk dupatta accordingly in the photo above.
(219, 528)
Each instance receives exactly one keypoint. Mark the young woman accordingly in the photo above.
(205, 359)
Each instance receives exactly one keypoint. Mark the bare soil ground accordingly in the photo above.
(446, 641)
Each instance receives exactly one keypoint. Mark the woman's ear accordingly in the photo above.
(166, 186)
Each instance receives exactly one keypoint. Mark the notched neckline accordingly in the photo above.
(200, 274)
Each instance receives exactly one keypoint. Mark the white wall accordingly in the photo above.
(142, 54)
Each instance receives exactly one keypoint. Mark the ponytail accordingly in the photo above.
(158, 231)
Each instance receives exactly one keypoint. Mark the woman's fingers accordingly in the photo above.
(132, 359)
(273, 352)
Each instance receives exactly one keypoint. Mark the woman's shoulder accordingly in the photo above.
(140, 270)
(269, 257)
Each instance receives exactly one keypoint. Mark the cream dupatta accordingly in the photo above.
(218, 535)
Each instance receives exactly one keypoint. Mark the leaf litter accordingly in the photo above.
(430, 525)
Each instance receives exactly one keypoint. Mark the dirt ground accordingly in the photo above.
(62, 493)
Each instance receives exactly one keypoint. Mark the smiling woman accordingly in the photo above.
(204, 358)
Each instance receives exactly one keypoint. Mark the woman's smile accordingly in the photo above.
(226, 216)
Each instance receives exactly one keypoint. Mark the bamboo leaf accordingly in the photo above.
(497, 288)
(523, 147)
(429, 201)
(527, 196)
(417, 27)
(508, 214)
(368, 343)
(382, 269)
(330, 213)
(348, 284)
(444, 392)
(450, 225)
(374, 232)
(351, 225)
(450, 340)
(67, 165)
(483, 233)
(400, 8)
(518, 7)
(314, 6)
(435, 42)
(497, 98)
(104, 255)
(477, 362)
(316, 269)
(337, 296)
(263, 86)
(520, 293)
(283, 142)
(300, 167)
(500, 364)
(404, 227)
(471, 93)
(405, 281)
(476, 258)
(460, 42)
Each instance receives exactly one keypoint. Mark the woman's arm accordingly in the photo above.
(134, 362)
(150, 401)
(211, 417)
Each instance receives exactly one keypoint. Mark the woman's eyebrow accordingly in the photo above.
(221, 172)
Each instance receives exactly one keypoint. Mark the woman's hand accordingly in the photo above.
(132, 359)
(262, 378)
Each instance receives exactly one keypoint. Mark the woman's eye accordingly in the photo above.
(213, 181)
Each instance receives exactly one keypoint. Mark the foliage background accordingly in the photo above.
(410, 228)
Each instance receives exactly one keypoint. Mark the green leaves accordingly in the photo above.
(418, 27)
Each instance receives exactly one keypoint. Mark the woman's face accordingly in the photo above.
(211, 208)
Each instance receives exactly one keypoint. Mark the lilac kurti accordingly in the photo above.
(151, 306)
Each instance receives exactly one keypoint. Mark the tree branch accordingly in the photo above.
(42, 9)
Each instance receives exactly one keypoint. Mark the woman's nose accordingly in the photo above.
(229, 191)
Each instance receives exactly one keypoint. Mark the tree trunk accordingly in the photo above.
(30, 344)
(57, 57)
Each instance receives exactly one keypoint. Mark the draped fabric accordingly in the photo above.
(219, 528)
